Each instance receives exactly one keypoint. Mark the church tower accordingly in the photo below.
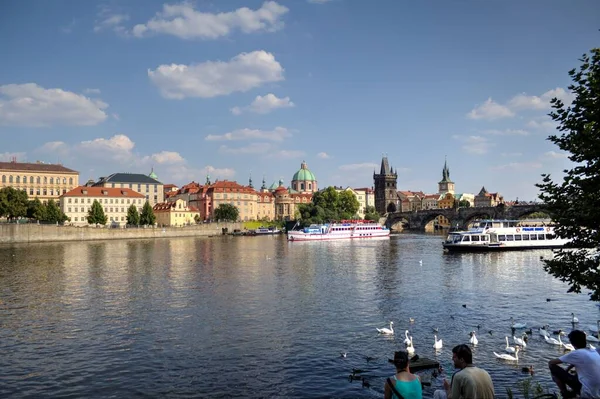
(386, 196)
(446, 185)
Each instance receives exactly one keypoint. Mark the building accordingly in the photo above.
(175, 213)
(230, 192)
(76, 203)
(470, 198)
(169, 188)
(386, 198)
(366, 198)
(445, 185)
(304, 181)
(287, 201)
(39, 180)
(484, 198)
(149, 186)
(410, 201)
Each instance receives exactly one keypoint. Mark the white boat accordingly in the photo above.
(267, 230)
(345, 230)
(502, 235)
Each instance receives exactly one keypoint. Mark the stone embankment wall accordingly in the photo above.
(26, 233)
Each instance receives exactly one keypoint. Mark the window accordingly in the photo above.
(38, 180)
(31, 191)
(82, 209)
(525, 237)
(89, 201)
(510, 237)
(112, 185)
(78, 218)
(69, 210)
(52, 180)
(64, 180)
(51, 191)
(550, 237)
(147, 187)
(37, 191)
(18, 179)
(533, 237)
(475, 238)
(3, 178)
(45, 192)
(76, 200)
(518, 237)
(70, 180)
(10, 179)
(501, 237)
(540, 236)
(466, 238)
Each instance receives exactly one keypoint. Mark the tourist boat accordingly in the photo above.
(267, 230)
(502, 235)
(346, 229)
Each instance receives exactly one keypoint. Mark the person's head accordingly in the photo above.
(461, 356)
(401, 360)
(578, 339)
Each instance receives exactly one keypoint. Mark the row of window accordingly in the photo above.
(509, 237)
(112, 219)
(106, 209)
(139, 187)
(36, 179)
(105, 200)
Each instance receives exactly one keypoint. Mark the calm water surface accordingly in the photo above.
(260, 317)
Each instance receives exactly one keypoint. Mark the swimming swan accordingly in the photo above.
(389, 331)
(568, 347)
(517, 325)
(473, 340)
(509, 349)
(437, 344)
(410, 348)
(574, 319)
(406, 340)
(553, 341)
(505, 356)
(520, 341)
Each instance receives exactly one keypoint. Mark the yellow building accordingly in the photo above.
(148, 185)
(446, 201)
(244, 198)
(77, 203)
(39, 180)
(176, 213)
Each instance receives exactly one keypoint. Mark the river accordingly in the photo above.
(260, 317)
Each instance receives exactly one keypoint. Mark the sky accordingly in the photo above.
(239, 89)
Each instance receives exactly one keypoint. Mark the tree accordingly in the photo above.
(347, 205)
(96, 214)
(36, 210)
(227, 212)
(197, 218)
(464, 204)
(133, 216)
(147, 216)
(13, 203)
(371, 214)
(573, 204)
(53, 213)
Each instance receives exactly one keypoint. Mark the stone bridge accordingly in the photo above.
(458, 217)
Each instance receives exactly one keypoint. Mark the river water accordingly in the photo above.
(260, 317)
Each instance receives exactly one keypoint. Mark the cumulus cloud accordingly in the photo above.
(523, 101)
(264, 104)
(34, 106)
(555, 155)
(118, 148)
(108, 20)
(243, 72)
(277, 134)
(254, 148)
(544, 124)
(165, 157)
(323, 155)
(474, 144)
(183, 21)
(490, 110)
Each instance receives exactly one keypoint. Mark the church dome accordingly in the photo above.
(153, 175)
(304, 174)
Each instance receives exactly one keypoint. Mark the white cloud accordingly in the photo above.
(165, 157)
(111, 21)
(265, 104)
(8, 156)
(475, 144)
(117, 148)
(253, 148)
(31, 105)
(490, 110)
(367, 166)
(518, 166)
(544, 124)
(323, 155)
(507, 132)
(523, 101)
(277, 134)
(243, 72)
(183, 21)
(555, 155)
(511, 154)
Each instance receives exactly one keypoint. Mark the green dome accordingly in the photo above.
(304, 174)
(153, 175)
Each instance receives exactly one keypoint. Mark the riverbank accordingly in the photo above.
(30, 233)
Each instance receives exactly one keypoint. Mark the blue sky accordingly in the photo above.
(233, 88)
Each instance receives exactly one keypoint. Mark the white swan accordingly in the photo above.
(437, 344)
(509, 349)
(410, 348)
(520, 341)
(553, 341)
(592, 347)
(591, 338)
(574, 319)
(505, 356)
(406, 340)
(389, 331)
(513, 324)
(568, 347)
(544, 331)
(473, 340)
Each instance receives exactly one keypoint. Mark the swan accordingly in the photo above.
(520, 341)
(513, 324)
(473, 340)
(553, 341)
(410, 348)
(437, 344)
(406, 340)
(568, 347)
(505, 356)
(592, 347)
(574, 319)
(591, 338)
(384, 330)
(509, 349)
(544, 331)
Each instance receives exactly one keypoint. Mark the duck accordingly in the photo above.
(520, 341)
(410, 348)
(529, 332)
(365, 383)
(437, 344)
(528, 369)
(406, 340)
(517, 325)
(506, 356)
(473, 340)
(508, 348)
(574, 320)
(388, 331)
(558, 332)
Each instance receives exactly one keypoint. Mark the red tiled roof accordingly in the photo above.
(83, 191)
(169, 186)
(35, 167)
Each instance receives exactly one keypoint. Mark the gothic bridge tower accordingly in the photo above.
(386, 196)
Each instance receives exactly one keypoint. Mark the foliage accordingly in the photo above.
(133, 216)
(464, 204)
(13, 203)
(371, 214)
(96, 214)
(197, 218)
(36, 210)
(147, 216)
(573, 204)
(538, 215)
(227, 212)
(53, 214)
(329, 205)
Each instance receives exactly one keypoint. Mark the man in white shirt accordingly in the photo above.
(586, 361)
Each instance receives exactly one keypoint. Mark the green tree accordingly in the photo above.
(36, 210)
(147, 216)
(573, 203)
(227, 212)
(464, 204)
(197, 219)
(133, 216)
(13, 203)
(96, 214)
(53, 213)
(347, 205)
(371, 214)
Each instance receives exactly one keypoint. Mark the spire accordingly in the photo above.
(250, 181)
(446, 173)
(208, 179)
(385, 166)
(264, 184)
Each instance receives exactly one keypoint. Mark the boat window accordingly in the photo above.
(510, 237)
(550, 236)
(501, 237)
(525, 237)
(466, 238)
(540, 236)
(533, 237)
(517, 237)
(475, 238)
(485, 237)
